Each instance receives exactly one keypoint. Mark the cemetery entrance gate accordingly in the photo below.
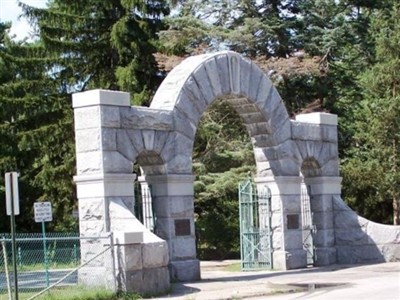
(255, 226)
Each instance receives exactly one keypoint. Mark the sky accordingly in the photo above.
(10, 11)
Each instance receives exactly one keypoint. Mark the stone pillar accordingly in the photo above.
(174, 213)
(98, 196)
(105, 190)
(104, 176)
(96, 118)
(288, 252)
(322, 191)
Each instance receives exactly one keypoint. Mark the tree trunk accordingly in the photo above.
(396, 211)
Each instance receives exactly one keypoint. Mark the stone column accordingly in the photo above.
(105, 190)
(288, 252)
(322, 191)
(173, 206)
(100, 177)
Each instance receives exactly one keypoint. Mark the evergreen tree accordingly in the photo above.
(103, 44)
(79, 45)
(374, 161)
(222, 158)
(36, 132)
(253, 28)
(312, 49)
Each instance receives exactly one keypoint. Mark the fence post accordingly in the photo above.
(75, 255)
(46, 263)
(113, 261)
(3, 243)
(19, 257)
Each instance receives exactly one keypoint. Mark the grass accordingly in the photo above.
(76, 293)
(236, 267)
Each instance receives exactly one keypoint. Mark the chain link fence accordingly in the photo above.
(57, 266)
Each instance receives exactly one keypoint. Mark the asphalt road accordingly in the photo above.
(37, 279)
(338, 282)
(367, 282)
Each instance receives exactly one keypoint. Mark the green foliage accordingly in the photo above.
(36, 122)
(373, 161)
(217, 213)
(110, 45)
(79, 45)
(222, 158)
(337, 35)
(103, 44)
(249, 27)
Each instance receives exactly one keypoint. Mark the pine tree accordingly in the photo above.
(103, 44)
(374, 158)
(36, 131)
(222, 158)
(79, 45)
(253, 28)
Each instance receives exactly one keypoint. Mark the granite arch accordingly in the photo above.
(111, 135)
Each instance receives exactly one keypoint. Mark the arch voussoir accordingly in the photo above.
(234, 73)
(245, 75)
(148, 139)
(175, 153)
(246, 108)
(279, 114)
(330, 168)
(256, 76)
(213, 75)
(252, 117)
(223, 73)
(328, 151)
(160, 140)
(204, 84)
(192, 93)
(263, 98)
(184, 124)
(167, 93)
(125, 146)
(259, 129)
(135, 136)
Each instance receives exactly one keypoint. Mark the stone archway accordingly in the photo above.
(111, 135)
(280, 144)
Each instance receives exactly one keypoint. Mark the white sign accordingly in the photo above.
(12, 194)
(43, 212)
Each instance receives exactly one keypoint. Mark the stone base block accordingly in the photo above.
(359, 254)
(285, 260)
(97, 277)
(391, 252)
(146, 282)
(185, 270)
(325, 256)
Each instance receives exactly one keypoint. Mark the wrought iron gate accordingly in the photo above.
(143, 206)
(255, 226)
(308, 226)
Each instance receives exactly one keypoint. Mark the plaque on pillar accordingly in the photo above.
(182, 227)
(293, 221)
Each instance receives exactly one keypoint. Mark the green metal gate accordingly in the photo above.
(255, 226)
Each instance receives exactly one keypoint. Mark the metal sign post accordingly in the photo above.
(12, 209)
(43, 214)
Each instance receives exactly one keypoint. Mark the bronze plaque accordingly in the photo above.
(182, 227)
(293, 221)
